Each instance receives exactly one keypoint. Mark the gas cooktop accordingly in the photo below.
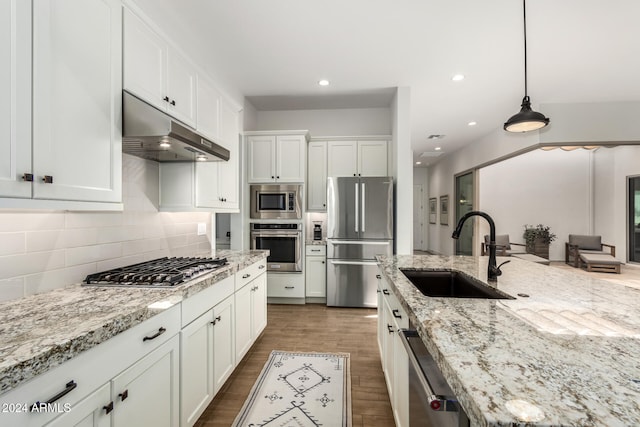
(158, 273)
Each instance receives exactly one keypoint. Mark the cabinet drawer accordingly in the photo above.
(316, 250)
(204, 300)
(84, 373)
(247, 274)
(285, 289)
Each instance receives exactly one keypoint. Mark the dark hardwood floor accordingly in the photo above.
(317, 328)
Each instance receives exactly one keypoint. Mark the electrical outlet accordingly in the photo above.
(202, 228)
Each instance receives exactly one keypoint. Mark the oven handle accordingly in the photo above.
(436, 402)
(358, 242)
(276, 233)
(353, 262)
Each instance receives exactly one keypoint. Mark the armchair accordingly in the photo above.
(503, 246)
(591, 251)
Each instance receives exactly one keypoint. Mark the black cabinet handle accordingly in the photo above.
(67, 389)
(378, 276)
(166, 99)
(27, 177)
(289, 287)
(261, 266)
(108, 408)
(124, 395)
(277, 177)
(216, 320)
(390, 329)
(354, 174)
(47, 179)
(396, 313)
(323, 262)
(173, 102)
(272, 176)
(244, 276)
(385, 291)
(161, 331)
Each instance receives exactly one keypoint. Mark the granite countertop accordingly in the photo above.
(42, 331)
(566, 355)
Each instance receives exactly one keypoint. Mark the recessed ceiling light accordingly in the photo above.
(323, 82)
(457, 77)
(472, 123)
(418, 163)
(438, 148)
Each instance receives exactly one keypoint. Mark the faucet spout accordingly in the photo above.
(493, 271)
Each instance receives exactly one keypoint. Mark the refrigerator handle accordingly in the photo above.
(363, 206)
(357, 214)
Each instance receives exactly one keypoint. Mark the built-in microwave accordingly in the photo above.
(276, 201)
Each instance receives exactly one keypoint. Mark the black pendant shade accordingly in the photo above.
(527, 119)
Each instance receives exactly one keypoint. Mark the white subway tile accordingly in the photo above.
(11, 289)
(177, 241)
(119, 234)
(12, 243)
(26, 221)
(47, 240)
(53, 279)
(133, 259)
(93, 219)
(153, 231)
(87, 254)
(36, 262)
(76, 237)
(141, 246)
(186, 228)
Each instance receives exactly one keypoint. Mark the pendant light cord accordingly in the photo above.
(524, 11)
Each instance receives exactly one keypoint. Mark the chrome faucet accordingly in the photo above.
(493, 271)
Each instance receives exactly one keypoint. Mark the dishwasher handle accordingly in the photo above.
(436, 402)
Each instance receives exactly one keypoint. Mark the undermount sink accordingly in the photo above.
(451, 284)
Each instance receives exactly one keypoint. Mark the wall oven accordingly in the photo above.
(276, 201)
(283, 240)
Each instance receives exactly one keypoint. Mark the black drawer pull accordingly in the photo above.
(244, 276)
(396, 313)
(27, 177)
(166, 98)
(289, 287)
(108, 408)
(390, 329)
(124, 395)
(67, 389)
(261, 266)
(216, 320)
(161, 331)
(173, 102)
(385, 291)
(378, 276)
(47, 179)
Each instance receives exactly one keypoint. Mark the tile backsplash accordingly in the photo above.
(44, 250)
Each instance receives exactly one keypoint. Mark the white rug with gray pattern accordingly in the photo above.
(300, 390)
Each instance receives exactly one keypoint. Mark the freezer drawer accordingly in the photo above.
(358, 249)
(351, 283)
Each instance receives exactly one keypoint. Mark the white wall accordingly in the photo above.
(338, 122)
(612, 167)
(421, 177)
(40, 251)
(403, 171)
(553, 188)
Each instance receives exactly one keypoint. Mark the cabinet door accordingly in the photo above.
(77, 92)
(15, 97)
(261, 158)
(144, 63)
(228, 178)
(342, 158)
(181, 88)
(243, 320)
(147, 393)
(89, 412)
(317, 176)
(208, 108)
(196, 368)
(316, 277)
(224, 354)
(290, 161)
(259, 305)
(389, 350)
(372, 158)
(207, 194)
(400, 382)
(229, 126)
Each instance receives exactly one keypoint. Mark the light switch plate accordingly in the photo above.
(202, 228)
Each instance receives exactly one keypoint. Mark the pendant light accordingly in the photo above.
(527, 119)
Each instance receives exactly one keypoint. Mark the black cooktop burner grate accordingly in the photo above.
(162, 272)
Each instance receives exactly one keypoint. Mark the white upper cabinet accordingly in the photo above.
(276, 158)
(77, 92)
(208, 108)
(357, 158)
(317, 176)
(15, 96)
(156, 72)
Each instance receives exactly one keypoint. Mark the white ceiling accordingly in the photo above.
(275, 51)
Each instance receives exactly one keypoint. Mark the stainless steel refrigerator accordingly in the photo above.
(359, 227)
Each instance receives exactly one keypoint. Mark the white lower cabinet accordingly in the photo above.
(251, 313)
(395, 362)
(224, 358)
(147, 394)
(89, 412)
(316, 271)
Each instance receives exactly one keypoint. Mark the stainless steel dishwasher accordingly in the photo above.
(431, 400)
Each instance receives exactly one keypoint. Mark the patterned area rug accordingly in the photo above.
(300, 390)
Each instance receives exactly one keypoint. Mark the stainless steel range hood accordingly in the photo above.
(152, 134)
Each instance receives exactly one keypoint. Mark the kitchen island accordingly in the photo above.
(41, 332)
(565, 353)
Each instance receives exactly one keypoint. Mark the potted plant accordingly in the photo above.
(538, 239)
